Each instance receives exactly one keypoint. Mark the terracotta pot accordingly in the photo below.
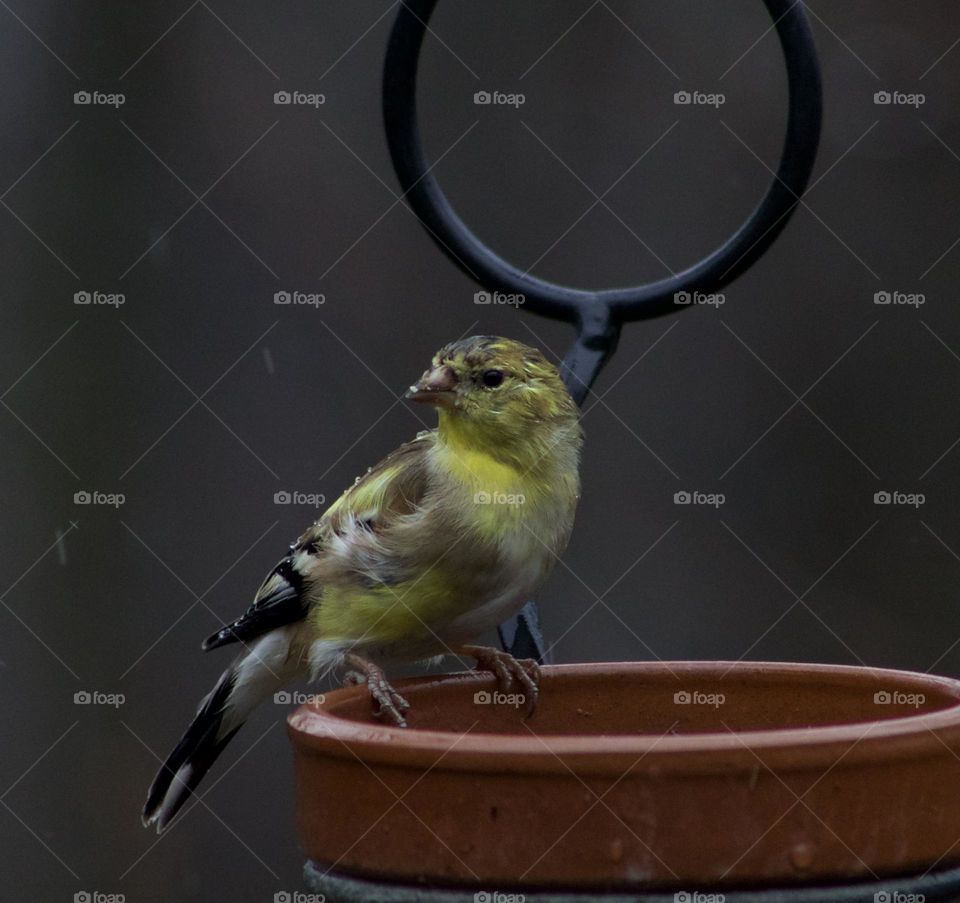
(695, 777)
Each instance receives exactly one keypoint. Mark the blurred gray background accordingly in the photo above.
(199, 398)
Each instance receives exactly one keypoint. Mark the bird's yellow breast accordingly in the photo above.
(477, 469)
(479, 539)
(496, 498)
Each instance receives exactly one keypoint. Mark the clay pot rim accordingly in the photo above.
(319, 728)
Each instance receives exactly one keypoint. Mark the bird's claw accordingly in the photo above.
(509, 670)
(390, 704)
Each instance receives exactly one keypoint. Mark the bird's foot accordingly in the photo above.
(390, 703)
(509, 671)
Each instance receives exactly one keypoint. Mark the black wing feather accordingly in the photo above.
(284, 603)
(282, 599)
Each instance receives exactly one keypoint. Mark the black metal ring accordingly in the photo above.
(618, 305)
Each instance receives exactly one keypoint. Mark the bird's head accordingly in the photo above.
(499, 396)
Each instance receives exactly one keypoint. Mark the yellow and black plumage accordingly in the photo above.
(442, 540)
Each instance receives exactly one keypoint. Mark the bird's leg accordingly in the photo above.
(389, 701)
(507, 669)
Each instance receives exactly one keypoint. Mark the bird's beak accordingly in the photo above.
(436, 386)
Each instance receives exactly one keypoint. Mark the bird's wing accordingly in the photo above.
(392, 489)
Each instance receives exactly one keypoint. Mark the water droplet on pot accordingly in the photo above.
(801, 856)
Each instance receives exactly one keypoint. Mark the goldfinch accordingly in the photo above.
(444, 539)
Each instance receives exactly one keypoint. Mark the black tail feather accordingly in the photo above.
(191, 759)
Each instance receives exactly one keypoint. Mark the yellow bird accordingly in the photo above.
(444, 539)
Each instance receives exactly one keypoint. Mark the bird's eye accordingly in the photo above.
(492, 378)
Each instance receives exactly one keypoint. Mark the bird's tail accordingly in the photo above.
(244, 685)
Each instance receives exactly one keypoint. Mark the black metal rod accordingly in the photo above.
(598, 315)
